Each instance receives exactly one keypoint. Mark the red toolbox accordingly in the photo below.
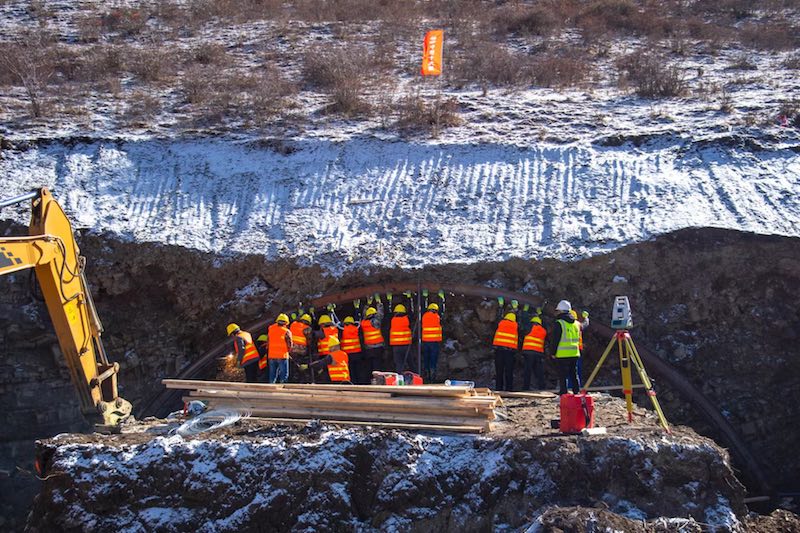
(386, 378)
(577, 412)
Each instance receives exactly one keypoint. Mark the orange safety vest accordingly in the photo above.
(400, 331)
(250, 351)
(262, 363)
(322, 344)
(278, 348)
(350, 342)
(431, 327)
(298, 333)
(506, 335)
(534, 341)
(580, 340)
(372, 335)
(338, 370)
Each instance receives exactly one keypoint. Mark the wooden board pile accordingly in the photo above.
(422, 407)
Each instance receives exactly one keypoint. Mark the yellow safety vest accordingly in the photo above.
(570, 340)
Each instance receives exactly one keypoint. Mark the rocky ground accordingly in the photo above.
(264, 476)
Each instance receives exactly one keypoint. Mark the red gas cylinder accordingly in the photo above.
(577, 412)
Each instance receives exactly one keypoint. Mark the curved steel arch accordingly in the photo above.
(160, 404)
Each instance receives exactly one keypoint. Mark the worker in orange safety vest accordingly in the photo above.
(431, 341)
(279, 343)
(301, 340)
(374, 343)
(337, 361)
(245, 350)
(351, 343)
(533, 354)
(506, 345)
(400, 338)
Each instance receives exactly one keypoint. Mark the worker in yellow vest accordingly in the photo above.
(533, 354)
(245, 350)
(400, 338)
(583, 324)
(506, 345)
(431, 341)
(301, 339)
(279, 343)
(563, 346)
(337, 361)
(374, 343)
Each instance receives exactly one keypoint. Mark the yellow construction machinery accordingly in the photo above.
(50, 249)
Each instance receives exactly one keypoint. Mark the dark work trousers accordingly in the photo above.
(371, 358)
(534, 362)
(567, 366)
(504, 368)
(430, 358)
(356, 363)
(404, 358)
(251, 372)
(579, 373)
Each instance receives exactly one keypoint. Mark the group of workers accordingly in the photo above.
(351, 350)
(523, 331)
(346, 351)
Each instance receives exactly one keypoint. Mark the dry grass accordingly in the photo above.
(426, 114)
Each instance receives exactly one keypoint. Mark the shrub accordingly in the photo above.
(150, 64)
(651, 75)
(527, 20)
(769, 36)
(743, 62)
(431, 114)
(792, 62)
(125, 21)
(208, 53)
(344, 73)
(489, 64)
(29, 61)
(560, 70)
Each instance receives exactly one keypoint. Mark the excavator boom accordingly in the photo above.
(50, 249)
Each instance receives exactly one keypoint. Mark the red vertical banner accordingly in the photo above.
(432, 53)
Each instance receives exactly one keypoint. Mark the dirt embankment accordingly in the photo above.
(719, 305)
(257, 476)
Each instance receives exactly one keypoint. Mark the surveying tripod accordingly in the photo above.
(627, 355)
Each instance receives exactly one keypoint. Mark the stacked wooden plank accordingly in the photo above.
(431, 407)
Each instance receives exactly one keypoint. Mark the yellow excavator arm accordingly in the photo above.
(50, 249)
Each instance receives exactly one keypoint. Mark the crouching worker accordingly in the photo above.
(337, 361)
(246, 352)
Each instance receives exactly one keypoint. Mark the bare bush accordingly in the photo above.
(141, 107)
(792, 62)
(430, 114)
(651, 75)
(489, 64)
(151, 63)
(208, 53)
(344, 73)
(770, 36)
(743, 62)
(560, 70)
(125, 21)
(29, 62)
(528, 20)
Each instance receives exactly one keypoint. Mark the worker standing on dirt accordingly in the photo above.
(280, 342)
(506, 344)
(533, 354)
(373, 339)
(431, 341)
(337, 361)
(351, 343)
(301, 338)
(578, 370)
(563, 346)
(262, 345)
(400, 337)
(246, 352)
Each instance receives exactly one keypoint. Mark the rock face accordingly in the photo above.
(320, 478)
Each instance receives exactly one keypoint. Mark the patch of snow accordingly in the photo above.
(619, 279)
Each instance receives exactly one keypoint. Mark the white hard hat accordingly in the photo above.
(564, 305)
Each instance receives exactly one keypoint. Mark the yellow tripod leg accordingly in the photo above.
(637, 361)
(598, 365)
(625, 371)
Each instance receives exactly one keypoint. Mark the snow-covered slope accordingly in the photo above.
(370, 201)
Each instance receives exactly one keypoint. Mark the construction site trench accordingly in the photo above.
(715, 319)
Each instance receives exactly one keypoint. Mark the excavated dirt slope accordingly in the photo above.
(258, 476)
(719, 305)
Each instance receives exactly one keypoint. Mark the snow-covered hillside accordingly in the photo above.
(369, 201)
